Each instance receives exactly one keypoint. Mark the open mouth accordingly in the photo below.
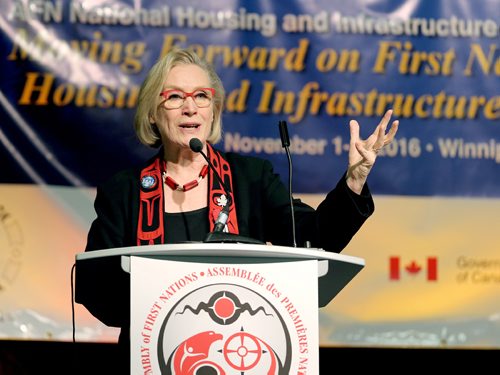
(190, 126)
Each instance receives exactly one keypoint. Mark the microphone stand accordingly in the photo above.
(231, 238)
(285, 142)
(217, 235)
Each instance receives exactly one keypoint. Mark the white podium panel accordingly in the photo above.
(216, 318)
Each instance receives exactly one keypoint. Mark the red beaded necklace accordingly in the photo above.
(188, 186)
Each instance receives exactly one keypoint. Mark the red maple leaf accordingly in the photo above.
(413, 268)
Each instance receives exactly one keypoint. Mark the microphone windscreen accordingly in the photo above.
(195, 145)
(285, 139)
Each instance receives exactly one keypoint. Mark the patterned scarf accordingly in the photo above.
(150, 228)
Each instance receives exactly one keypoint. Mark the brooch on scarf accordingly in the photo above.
(222, 200)
(148, 182)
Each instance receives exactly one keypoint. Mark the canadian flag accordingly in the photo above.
(413, 268)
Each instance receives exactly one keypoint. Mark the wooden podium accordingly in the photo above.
(228, 308)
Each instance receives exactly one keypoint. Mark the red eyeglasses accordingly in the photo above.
(175, 98)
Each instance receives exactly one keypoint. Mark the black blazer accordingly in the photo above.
(263, 212)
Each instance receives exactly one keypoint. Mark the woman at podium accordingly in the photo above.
(190, 189)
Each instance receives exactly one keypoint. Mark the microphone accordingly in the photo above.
(285, 142)
(218, 234)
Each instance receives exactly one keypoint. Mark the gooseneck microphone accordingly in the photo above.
(285, 142)
(218, 234)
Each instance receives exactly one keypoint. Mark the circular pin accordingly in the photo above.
(148, 182)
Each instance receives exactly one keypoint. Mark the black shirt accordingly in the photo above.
(186, 226)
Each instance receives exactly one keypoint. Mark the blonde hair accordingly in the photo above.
(149, 96)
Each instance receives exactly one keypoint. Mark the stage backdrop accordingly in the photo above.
(71, 71)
